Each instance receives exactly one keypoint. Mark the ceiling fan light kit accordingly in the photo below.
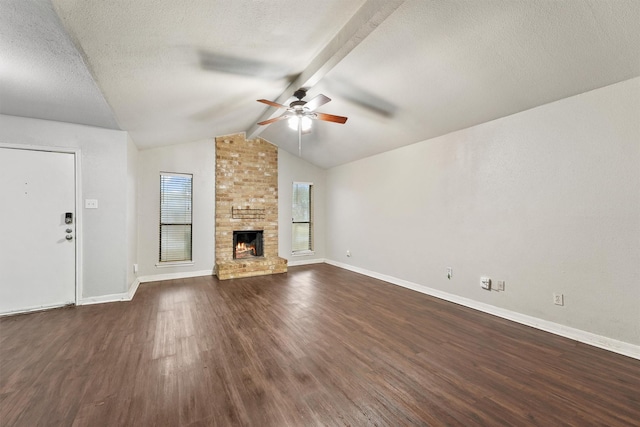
(304, 121)
(300, 113)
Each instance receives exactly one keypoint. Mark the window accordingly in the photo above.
(175, 217)
(302, 227)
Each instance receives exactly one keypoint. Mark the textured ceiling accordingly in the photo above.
(42, 74)
(402, 71)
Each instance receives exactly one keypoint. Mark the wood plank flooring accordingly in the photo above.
(313, 347)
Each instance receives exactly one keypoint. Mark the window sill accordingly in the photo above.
(175, 264)
(302, 253)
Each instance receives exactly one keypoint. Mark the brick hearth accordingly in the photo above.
(246, 199)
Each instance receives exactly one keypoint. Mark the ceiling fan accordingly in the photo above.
(302, 112)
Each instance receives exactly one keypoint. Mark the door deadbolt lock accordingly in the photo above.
(68, 217)
(68, 230)
(69, 237)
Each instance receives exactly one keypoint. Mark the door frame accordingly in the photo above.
(78, 207)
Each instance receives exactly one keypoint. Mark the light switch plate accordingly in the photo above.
(91, 203)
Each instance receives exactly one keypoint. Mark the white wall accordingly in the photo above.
(547, 200)
(104, 177)
(197, 158)
(294, 169)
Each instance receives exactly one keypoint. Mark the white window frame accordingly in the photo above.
(170, 263)
(309, 250)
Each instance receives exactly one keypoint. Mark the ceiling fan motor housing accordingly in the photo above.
(300, 93)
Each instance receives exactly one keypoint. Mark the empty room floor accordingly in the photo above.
(318, 345)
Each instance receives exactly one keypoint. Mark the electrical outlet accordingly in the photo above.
(348, 253)
(135, 268)
(558, 299)
(499, 285)
(449, 273)
(485, 283)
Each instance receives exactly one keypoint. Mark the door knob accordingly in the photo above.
(69, 237)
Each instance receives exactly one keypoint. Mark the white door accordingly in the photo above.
(37, 247)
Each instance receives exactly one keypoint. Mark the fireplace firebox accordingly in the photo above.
(247, 244)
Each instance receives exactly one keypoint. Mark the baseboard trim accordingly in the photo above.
(133, 289)
(33, 309)
(128, 296)
(125, 296)
(103, 299)
(579, 335)
(306, 262)
(173, 276)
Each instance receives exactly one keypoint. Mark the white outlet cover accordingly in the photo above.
(485, 283)
(558, 299)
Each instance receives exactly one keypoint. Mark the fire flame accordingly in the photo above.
(243, 250)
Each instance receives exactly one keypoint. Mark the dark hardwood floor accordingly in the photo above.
(316, 346)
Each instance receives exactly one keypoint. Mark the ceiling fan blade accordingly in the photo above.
(361, 97)
(273, 104)
(317, 101)
(268, 122)
(331, 118)
(213, 61)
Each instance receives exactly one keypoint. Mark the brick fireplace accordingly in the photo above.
(247, 204)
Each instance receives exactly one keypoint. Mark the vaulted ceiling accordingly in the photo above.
(172, 71)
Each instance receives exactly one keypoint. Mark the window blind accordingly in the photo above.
(302, 230)
(175, 217)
